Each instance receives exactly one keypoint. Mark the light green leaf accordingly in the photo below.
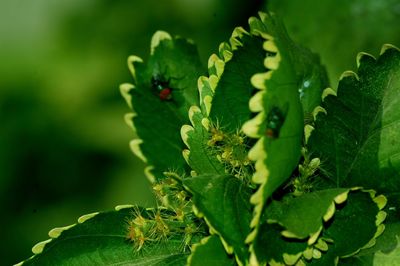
(173, 64)
(210, 252)
(278, 126)
(388, 259)
(303, 216)
(223, 201)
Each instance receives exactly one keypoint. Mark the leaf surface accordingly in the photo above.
(223, 200)
(210, 252)
(173, 64)
(101, 239)
(358, 139)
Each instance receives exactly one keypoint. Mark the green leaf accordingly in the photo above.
(175, 65)
(388, 259)
(200, 157)
(355, 226)
(278, 126)
(385, 248)
(303, 216)
(339, 29)
(352, 224)
(101, 239)
(216, 144)
(358, 139)
(311, 79)
(271, 247)
(230, 102)
(210, 252)
(223, 201)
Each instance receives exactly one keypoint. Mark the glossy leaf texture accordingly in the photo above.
(210, 252)
(164, 88)
(356, 135)
(224, 202)
(101, 239)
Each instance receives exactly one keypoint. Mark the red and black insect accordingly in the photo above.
(275, 120)
(162, 87)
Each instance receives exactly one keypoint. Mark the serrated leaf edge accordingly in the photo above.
(203, 241)
(250, 128)
(380, 201)
(125, 89)
(158, 36)
(229, 249)
(57, 232)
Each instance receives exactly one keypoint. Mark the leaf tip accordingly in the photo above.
(185, 129)
(38, 248)
(132, 60)
(148, 172)
(327, 92)
(86, 217)
(129, 120)
(308, 129)
(347, 74)
(56, 232)
(125, 88)
(318, 110)
(157, 38)
(135, 147)
(123, 206)
(361, 56)
(388, 46)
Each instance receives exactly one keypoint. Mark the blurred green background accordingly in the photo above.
(63, 142)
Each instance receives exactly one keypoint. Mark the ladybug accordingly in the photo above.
(275, 121)
(162, 87)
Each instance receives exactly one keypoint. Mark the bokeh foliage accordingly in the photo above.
(63, 142)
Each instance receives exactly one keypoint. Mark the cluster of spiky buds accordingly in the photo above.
(231, 149)
(170, 192)
(158, 225)
(174, 217)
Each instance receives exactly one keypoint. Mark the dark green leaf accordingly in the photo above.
(210, 252)
(224, 203)
(175, 64)
(355, 226)
(230, 103)
(385, 248)
(270, 245)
